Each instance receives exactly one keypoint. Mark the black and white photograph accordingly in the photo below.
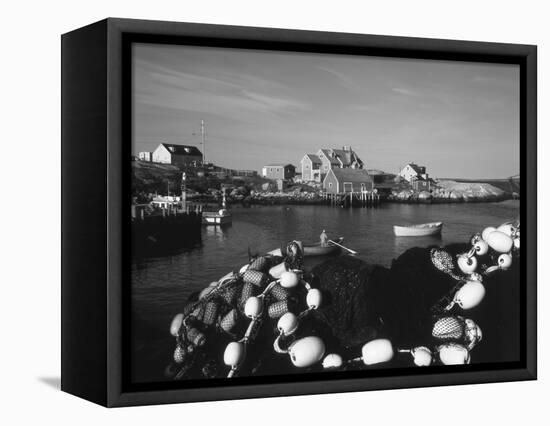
(297, 212)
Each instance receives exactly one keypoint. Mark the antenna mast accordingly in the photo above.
(203, 139)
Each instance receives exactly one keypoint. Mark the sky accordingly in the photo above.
(459, 119)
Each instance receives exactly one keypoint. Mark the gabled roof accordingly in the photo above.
(352, 175)
(182, 149)
(416, 168)
(341, 156)
(328, 154)
(314, 158)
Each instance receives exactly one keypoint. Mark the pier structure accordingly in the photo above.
(352, 199)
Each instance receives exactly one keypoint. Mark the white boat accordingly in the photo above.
(221, 217)
(421, 230)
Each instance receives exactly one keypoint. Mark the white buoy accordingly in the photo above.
(289, 279)
(377, 351)
(333, 361)
(481, 247)
(453, 354)
(504, 261)
(500, 242)
(487, 231)
(314, 298)
(277, 270)
(287, 324)
(176, 325)
(306, 351)
(470, 295)
(422, 356)
(516, 243)
(467, 264)
(234, 354)
(507, 228)
(253, 307)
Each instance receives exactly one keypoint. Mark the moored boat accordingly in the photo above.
(221, 217)
(420, 230)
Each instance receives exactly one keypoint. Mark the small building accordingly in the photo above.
(412, 170)
(278, 171)
(421, 184)
(145, 156)
(178, 155)
(347, 180)
(311, 168)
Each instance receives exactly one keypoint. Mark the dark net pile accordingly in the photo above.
(362, 302)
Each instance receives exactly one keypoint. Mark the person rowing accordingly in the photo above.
(324, 239)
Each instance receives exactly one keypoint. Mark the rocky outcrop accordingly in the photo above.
(449, 191)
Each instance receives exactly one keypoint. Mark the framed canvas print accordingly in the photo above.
(252, 212)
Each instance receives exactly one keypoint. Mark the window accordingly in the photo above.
(348, 187)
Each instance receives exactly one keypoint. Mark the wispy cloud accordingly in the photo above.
(229, 94)
(342, 78)
(403, 91)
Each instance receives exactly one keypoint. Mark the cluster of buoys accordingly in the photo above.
(266, 290)
(456, 335)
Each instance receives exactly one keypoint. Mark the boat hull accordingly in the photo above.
(318, 250)
(216, 219)
(422, 230)
(314, 249)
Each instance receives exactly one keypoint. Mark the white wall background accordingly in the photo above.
(30, 236)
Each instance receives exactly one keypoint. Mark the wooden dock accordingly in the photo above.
(352, 199)
(166, 230)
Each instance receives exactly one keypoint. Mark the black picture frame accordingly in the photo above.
(96, 118)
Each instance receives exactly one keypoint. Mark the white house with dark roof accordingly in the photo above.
(311, 168)
(412, 172)
(178, 155)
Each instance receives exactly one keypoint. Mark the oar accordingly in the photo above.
(345, 248)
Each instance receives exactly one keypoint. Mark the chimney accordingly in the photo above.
(346, 148)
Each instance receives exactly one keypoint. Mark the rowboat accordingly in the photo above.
(315, 249)
(421, 230)
(318, 250)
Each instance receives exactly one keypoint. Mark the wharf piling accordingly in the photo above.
(352, 199)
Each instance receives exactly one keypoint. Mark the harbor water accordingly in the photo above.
(161, 285)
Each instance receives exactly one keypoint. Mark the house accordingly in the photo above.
(278, 171)
(311, 168)
(145, 156)
(316, 166)
(339, 180)
(413, 171)
(178, 155)
(420, 183)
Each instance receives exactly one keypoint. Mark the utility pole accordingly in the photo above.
(183, 192)
(203, 140)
